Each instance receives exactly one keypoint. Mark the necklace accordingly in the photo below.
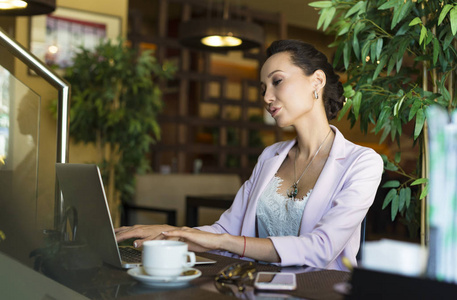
(292, 192)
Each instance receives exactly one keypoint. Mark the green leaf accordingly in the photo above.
(420, 181)
(356, 47)
(380, 66)
(394, 206)
(387, 130)
(399, 62)
(365, 50)
(391, 65)
(346, 55)
(356, 103)
(337, 57)
(397, 158)
(359, 7)
(423, 35)
(445, 93)
(391, 167)
(391, 184)
(397, 105)
(436, 50)
(414, 108)
(424, 192)
(344, 28)
(388, 4)
(373, 51)
(403, 29)
(443, 13)
(407, 196)
(400, 12)
(323, 16)
(390, 195)
(447, 40)
(402, 201)
(321, 4)
(430, 37)
(397, 127)
(379, 44)
(345, 108)
(453, 18)
(415, 21)
(359, 26)
(385, 113)
(329, 17)
(420, 119)
(405, 10)
(348, 91)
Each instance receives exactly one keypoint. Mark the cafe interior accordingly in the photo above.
(191, 148)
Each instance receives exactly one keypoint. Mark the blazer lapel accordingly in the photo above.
(320, 198)
(266, 173)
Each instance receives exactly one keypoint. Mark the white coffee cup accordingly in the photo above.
(166, 258)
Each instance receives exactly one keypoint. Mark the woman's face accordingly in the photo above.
(287, 91)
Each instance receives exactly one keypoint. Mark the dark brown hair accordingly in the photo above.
(309, 59)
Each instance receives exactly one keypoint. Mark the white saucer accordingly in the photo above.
(165, 281)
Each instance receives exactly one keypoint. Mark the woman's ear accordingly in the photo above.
(319, 80)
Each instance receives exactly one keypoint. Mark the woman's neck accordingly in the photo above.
(312, 138)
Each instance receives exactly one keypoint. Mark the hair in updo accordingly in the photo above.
(309, 59)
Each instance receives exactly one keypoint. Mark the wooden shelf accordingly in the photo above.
(192, 91)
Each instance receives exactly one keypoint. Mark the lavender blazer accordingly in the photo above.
(330, 227)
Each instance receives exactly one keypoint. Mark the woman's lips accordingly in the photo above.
(274, 111)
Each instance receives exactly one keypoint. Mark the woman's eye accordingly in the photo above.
(277, 81)
(262, 92)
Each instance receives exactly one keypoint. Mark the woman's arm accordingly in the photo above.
(226, 230)
(201, 241)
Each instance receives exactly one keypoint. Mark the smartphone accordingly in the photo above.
(275, 281)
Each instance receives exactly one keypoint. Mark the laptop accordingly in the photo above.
(82, 187)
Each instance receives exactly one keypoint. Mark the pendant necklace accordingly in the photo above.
(292, 192)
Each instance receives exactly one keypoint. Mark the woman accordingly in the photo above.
(306, 198)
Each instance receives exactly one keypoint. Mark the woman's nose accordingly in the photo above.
(268, 97)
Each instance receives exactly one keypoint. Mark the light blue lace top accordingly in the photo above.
(278, 215)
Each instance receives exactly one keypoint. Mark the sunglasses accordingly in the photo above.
(239, 274)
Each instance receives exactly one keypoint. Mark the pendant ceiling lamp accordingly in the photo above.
(26, 7)
(221, 34)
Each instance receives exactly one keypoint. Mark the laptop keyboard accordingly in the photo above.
(130, 254)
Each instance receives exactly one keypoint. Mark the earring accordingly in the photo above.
(316, 95)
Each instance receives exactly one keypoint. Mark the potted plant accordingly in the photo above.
(399, 57)
(116, 97)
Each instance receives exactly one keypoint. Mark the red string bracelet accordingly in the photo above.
(244, 249)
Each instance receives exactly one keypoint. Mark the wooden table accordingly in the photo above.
(21, 282)
(115, 283)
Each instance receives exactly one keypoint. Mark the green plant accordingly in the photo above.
(115, 102)
(399, 57)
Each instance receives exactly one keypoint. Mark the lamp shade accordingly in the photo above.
(192, 32)
(34, 7)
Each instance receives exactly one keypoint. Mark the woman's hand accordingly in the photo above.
(142, 232)
(198, 240)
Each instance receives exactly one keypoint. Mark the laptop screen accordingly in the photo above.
(82, 188)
